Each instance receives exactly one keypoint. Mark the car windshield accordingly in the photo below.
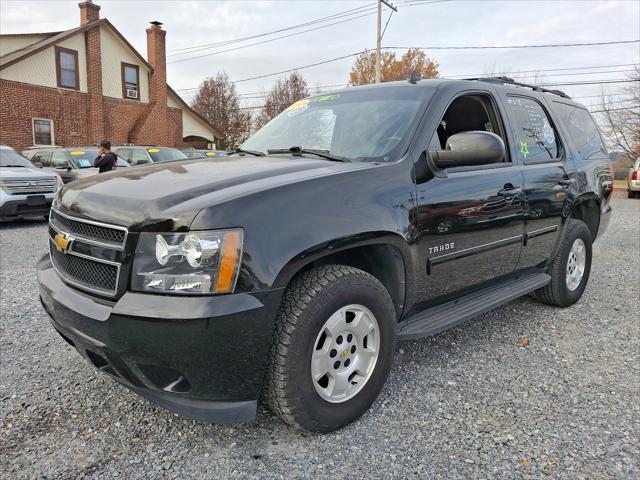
(9, 158)
(371, 124)
(84, 157)
(160, 154)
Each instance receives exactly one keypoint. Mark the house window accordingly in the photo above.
(130, 81)
(42, 131)
(67, 68)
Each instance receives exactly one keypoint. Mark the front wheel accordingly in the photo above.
(570, 268)
(333, 348)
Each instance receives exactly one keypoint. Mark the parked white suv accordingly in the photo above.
(633, 182)
(25, 190)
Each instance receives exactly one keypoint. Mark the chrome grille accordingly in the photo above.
(89, 231)
(28, 187)
(85, 272)
(93, 252)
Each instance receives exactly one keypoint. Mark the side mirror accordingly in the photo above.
(38, 164)
(467, 149)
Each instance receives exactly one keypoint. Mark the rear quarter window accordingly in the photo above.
(582, 129)
(536, 138)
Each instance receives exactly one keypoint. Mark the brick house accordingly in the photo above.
(78, 86)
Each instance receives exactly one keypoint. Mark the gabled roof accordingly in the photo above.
(56, 37)
(17, 55)
(186, 106)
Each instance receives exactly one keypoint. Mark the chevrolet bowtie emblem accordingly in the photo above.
(61, 242)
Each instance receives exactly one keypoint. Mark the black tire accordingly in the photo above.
(307, 304)
(557, 292)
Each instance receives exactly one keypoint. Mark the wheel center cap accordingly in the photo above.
(344, 352)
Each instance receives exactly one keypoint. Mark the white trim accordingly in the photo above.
(33, 132)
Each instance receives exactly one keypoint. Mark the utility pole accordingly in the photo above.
(379, 37)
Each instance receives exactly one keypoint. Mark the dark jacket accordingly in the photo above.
(106, 162)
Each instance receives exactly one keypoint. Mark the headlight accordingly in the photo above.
(196, 262)
(59, 184)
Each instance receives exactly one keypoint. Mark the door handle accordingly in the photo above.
(509, 191)
(566, 181)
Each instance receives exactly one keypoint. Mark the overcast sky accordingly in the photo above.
(445, 23)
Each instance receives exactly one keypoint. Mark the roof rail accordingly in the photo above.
(511, 81)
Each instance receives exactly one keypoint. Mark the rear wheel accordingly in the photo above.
(570, 268)
(333, 348)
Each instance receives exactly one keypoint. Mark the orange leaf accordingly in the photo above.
(523, 342)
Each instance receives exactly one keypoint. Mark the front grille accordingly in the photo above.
(87, 273)
(92, 232)
(87, 254)
(29, 187)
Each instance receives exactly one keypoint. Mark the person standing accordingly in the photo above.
(106, 160)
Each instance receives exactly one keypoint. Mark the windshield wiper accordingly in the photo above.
(250, 152)
(21, 166)
(298, 151)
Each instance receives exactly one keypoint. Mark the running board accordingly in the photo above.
(442, 317)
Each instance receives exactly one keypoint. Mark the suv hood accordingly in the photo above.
(167, 196)
(24, 173)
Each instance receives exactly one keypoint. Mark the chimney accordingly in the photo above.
(89, 12)
(156, 127)
(156, 56)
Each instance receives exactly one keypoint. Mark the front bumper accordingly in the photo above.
(25, 205)
(202, 357)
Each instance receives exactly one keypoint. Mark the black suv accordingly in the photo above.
(287, 270)
(70, 163)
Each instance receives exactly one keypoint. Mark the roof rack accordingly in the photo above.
(511, 81)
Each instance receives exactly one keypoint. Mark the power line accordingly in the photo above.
(482, 47)
(449, 76)
(352, 13)
(264, 34)
(595, 82)
(614, 109)
(269, 40)
(289, 70)
(600, 95)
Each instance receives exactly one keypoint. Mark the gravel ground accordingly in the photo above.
(470, 403)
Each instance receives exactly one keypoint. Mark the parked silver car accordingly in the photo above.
(24, 189)
(633, 182)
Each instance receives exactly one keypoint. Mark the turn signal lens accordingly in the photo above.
(229, 262)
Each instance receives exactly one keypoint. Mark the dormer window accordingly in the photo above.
(130, 81)
(67, 68)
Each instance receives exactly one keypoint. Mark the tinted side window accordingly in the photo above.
(536, 139)
(59, 159)
(139, 157)
(582, 129)
(124, 153)
(42, 158)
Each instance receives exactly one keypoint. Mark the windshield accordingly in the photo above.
(84, 158)
(9, 158)
(165, 154)
(367, 125)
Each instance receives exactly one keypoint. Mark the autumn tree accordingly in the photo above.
(217, 100)
(620, 120)
(393, 68)
(286, 91)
